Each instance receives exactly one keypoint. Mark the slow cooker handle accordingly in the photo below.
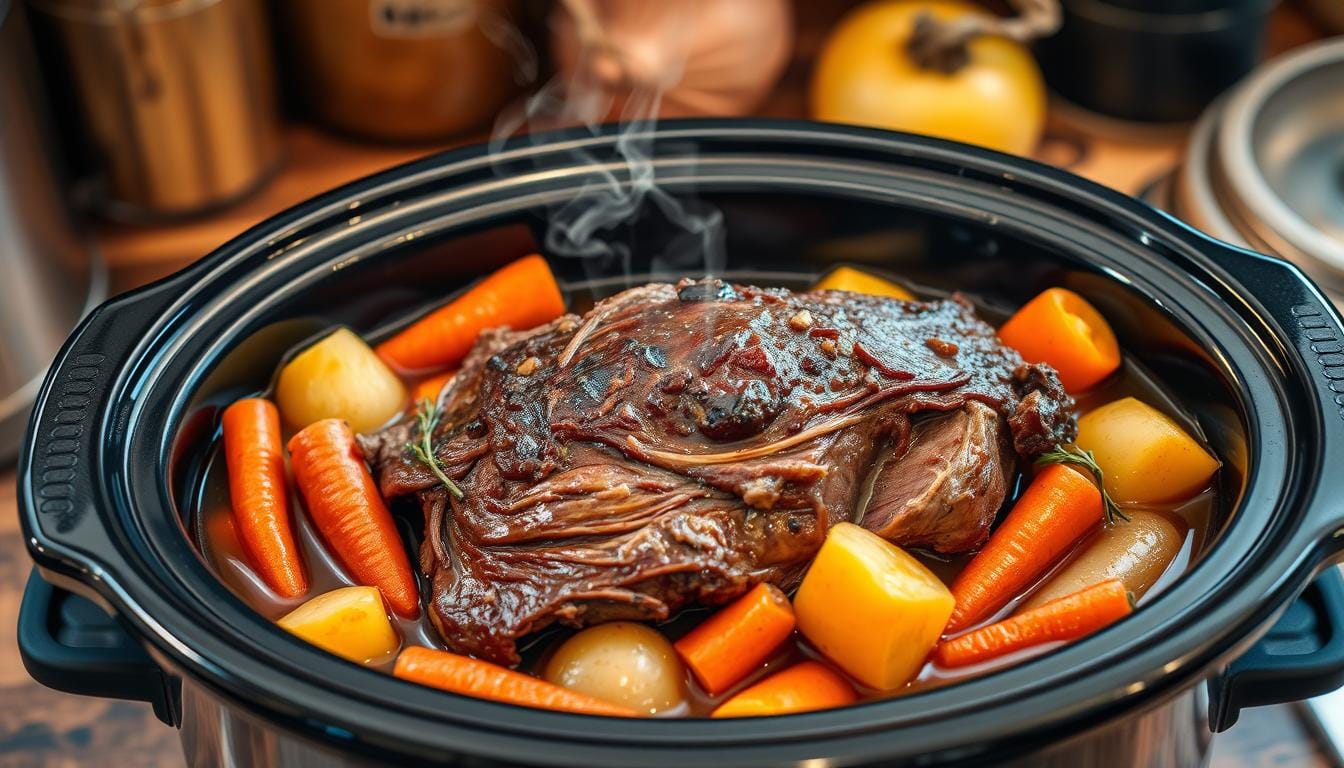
(1307, 319)
(69, 644)
(64, 485)
(1301, 656)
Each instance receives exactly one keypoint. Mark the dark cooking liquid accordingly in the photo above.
(213, 525)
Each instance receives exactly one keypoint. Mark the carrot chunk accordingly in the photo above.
(1067, 618)
(430, 388)
(727, 646)
(803, 687)
(1061, 329)
(344, 504)
(254, 453)
(1056, 510)
(472, 677)
(521, 295)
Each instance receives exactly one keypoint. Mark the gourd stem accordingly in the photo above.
(940, 45)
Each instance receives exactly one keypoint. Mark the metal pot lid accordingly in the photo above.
(1281, 147)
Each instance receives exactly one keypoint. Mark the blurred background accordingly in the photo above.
(138, 135)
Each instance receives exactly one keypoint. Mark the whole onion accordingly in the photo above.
(706, 57)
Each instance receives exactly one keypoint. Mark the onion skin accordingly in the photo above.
(708, 57)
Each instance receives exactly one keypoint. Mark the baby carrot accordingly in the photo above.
(521, 295)
(472, 677)
(1060, 328)
(430, 388)
(1067, 618)
(254, 453)
(731, 643)
(1057, 508)
(800, 688)
(345, 506)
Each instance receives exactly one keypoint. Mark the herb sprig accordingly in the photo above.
(427, 415)
(1064, 454)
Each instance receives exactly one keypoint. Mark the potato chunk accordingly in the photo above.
(1136, 551)
(350, 622)
(339, 377)
(622, 662)
(871, 608)
(858, 281)
(1146, 457)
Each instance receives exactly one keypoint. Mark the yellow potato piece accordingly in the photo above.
(871, 608)
(622, 662)
(857, 281)
(1136, 551)
(1146, 457)
(339, 377)
(350, 622)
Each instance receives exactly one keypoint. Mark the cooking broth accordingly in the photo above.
(211, 523)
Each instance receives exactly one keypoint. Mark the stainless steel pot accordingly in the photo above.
(177, 96)
(1246, 341)
(1264, 167)
(50, 277)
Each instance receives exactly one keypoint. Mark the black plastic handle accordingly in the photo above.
(62, 485)
(1301, 656)
(1308, 321)
(70, 644)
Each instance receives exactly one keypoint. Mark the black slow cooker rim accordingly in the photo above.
(511, 725)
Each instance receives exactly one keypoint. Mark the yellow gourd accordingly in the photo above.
(865, 75)
(339, 377)
(1146, 457)
(871, 608)
(857, 281)
(350, 622)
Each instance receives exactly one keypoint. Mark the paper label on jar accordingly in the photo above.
(420, 18)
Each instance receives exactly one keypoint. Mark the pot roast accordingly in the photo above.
(679, 444)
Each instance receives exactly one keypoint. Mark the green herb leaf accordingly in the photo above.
(427, 415)
(1064, 454)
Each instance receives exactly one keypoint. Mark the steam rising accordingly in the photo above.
(583, 227)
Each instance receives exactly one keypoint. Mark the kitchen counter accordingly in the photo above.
(40, 727)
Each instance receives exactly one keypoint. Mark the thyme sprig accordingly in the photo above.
(1064, 454)
(427, 415)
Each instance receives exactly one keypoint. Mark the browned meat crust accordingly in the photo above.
(679, 444)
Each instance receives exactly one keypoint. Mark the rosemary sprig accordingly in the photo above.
(427, 415)
(1064, 454)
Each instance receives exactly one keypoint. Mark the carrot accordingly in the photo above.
(472, 677)
(430, 388)
(221, 535)
(1060, 328)
(737, 639)
(1067, 618)
(521, 295)
(800, 688)
(345, 506)
(254, 453)
(1057, 508)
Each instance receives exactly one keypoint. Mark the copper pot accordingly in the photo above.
(401, 69)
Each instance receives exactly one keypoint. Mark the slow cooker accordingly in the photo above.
(1246, 341)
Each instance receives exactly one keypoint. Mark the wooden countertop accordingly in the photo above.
(40, 727)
